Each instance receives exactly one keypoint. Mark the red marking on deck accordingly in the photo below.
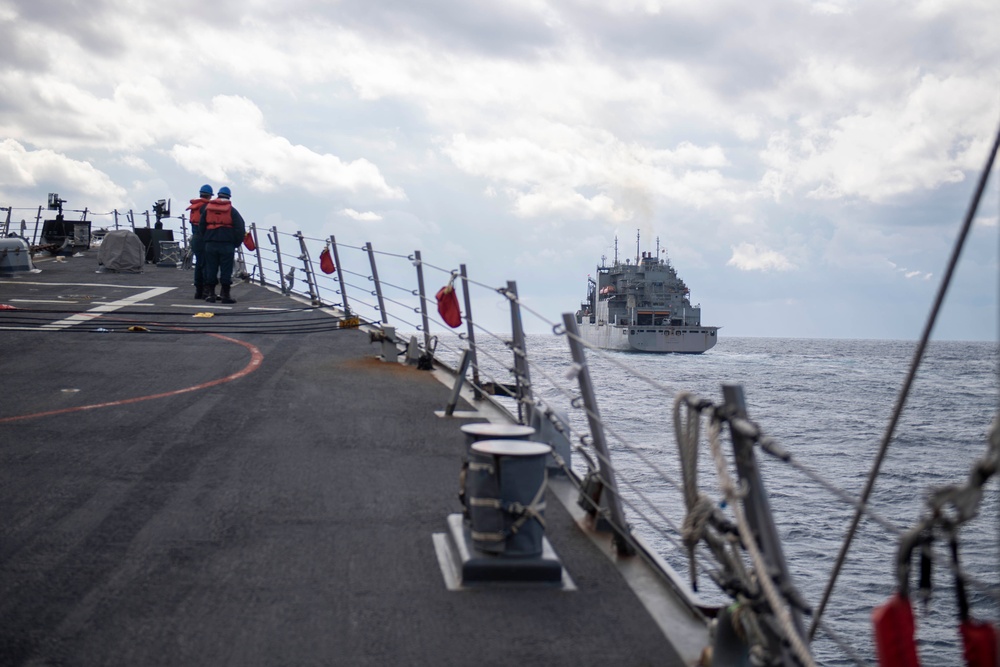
(256, 357)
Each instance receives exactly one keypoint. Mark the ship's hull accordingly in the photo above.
(681, 340)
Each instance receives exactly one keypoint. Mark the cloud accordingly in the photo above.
(751, 257)
(909, 274)
(367, 216)
(21, 168)
(928, 138)
(572, 172)
(231, 141)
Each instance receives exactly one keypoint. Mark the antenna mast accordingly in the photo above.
(637, 247)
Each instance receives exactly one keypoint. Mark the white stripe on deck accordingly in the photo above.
(94, 313)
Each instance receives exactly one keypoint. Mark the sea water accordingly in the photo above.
(827, 402)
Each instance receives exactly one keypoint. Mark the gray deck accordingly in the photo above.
(284, 517)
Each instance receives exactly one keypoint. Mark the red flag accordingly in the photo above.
(248, 242)
(326, 261)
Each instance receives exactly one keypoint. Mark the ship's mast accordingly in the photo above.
(616, 250)
(637, 247)
(657, 248)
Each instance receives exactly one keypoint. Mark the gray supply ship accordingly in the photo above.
(642, 307)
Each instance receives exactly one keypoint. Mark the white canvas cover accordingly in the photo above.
(122, 250)
(14, 255)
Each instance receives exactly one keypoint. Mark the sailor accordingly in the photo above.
(197, 240)
(223, 229)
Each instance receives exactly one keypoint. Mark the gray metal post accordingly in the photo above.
(758, 512)
(308, 269)
(116, 219)
(378, 285)
(184, 229)
(273, 236)
(521, 371)
(6, 224)
(256, 244)
(423, 303)
(38, 219)
(470, 332)
(340, 276)
(607, 470)
(463, 368)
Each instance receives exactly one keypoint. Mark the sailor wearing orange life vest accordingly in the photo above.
(197, 240)
(223, 229)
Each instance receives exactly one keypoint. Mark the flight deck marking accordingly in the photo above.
(256, 358)
(41, 301)
(94, 313)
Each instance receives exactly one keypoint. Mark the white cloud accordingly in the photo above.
(231, 141)
(367, 216)
(926, 139)
(73, 179)
(752, 257)
(549, 171)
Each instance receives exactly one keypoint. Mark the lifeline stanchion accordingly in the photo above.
(761, 520)
(470, 332)
(256, 243)
(340, 275)
(378, 285)
(423, 303)
(521, 371)
(273, 237)
(38, 220)
(308, 270)
(609, 492)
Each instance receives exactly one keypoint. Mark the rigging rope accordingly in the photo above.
(735, 498)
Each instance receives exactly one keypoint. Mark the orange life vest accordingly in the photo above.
(218, 214)
(195, 208)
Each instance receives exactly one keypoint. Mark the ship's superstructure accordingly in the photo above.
(644, 307)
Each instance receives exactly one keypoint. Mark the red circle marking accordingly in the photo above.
(256, 357)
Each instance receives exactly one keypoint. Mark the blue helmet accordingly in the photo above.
(206, 190)
(224, 192)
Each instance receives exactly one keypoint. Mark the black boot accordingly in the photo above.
(226, 298)
(199, 291)
(210, 294)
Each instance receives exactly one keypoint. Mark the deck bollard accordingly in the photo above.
(506, 496)
(485, 431)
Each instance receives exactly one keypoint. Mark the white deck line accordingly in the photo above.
(94, 313)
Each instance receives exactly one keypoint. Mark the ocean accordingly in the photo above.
(827, 402)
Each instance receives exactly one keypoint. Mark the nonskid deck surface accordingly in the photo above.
(176, 497)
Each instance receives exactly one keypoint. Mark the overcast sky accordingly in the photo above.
(805, 164)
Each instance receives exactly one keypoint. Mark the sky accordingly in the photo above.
(806, 166)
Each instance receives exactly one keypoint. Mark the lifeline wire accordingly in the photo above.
(911, 375)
